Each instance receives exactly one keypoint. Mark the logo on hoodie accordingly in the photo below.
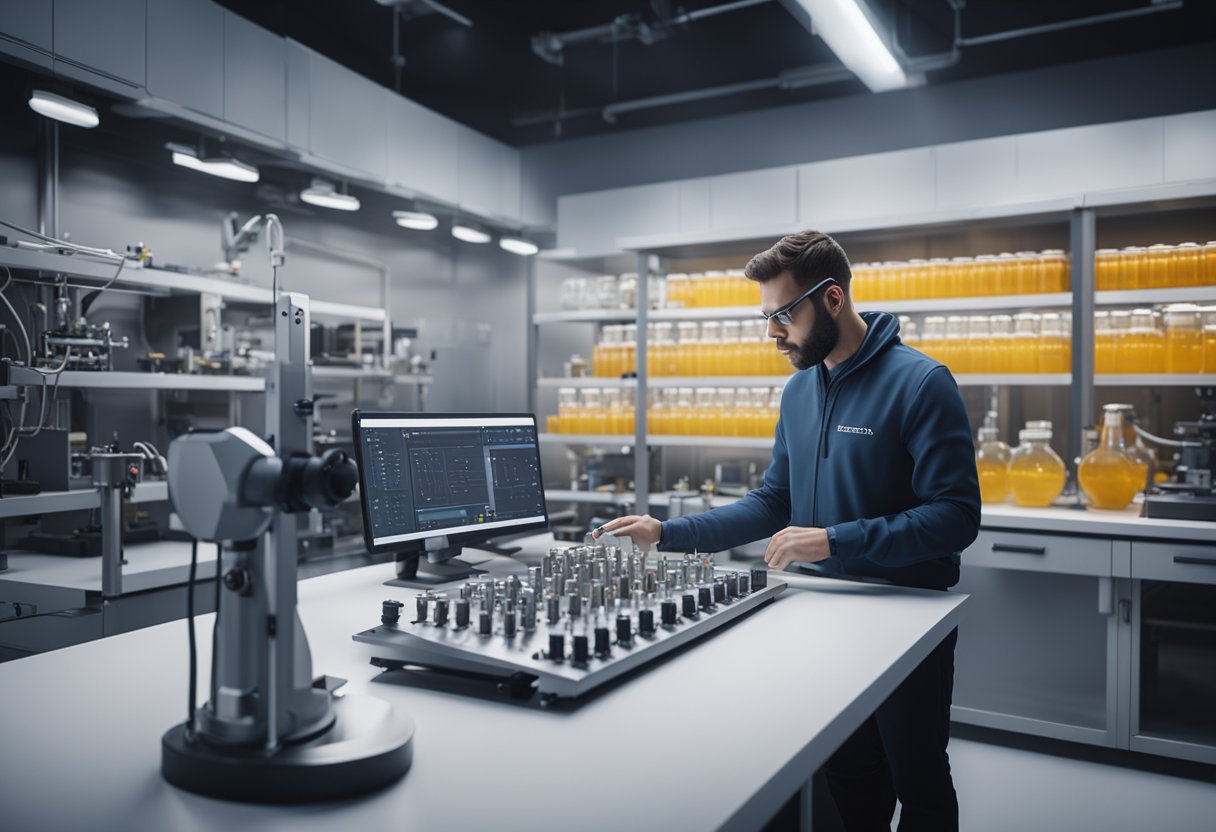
(848, 429)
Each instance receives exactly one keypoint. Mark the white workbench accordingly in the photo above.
(720, 735)
(1126, 523)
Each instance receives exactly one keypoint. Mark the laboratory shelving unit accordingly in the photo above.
(1073, 220)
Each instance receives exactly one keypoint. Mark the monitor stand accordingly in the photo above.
(435, 561)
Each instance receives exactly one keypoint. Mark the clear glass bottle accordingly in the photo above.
(1188, 264)
(1183, 339)
(992, 462)
(1134, 447)
(1106, 269)
(1026, 342)
(1209, 339)
(1107, 475)
(1120, 328)
(1036, 472)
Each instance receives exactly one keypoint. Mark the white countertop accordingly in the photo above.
(149, 565)
(718, 735)
(1126, 523)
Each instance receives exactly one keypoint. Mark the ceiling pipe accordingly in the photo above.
(549, 47)
(828, 74)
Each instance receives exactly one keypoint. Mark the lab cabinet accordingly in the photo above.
(254, 77)
(26, 30)
(346, 118)
(1093, 639)
(1034, 653)
(107, 38)
(1173, 650)
(422, 149)
(186, 54)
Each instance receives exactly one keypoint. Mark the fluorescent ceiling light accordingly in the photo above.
(469, 234)
(63, 109)
(517, 246)
(323, 195)
(416, 220)
(849, 32)
(220, 166)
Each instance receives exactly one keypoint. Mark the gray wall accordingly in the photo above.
(118, 187)
(1091, 92)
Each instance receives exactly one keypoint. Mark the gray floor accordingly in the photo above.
(1003, 788)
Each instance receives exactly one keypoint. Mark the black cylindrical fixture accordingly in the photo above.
(732, 585)
(759, 578)
(581, 651)
(390, 612)
(690, 605)
(508, 623)
(601, 641)
(646, 622)
(745, 583)
(553, 608)
(719, 591)
(485, 623)
(624, 629)
(462, 613)
(705, 597)
(441, 611)
(557, 647)
(667, 612)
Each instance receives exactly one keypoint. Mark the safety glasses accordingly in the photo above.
(785, 315)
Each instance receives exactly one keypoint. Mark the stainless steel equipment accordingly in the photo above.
(588, 615)
(1192, 493)
(271, 733)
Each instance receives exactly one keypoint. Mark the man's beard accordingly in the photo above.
(820, 342)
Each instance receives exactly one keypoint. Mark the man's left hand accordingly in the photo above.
(796, 543)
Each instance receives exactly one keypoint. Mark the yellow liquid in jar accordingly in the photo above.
(1184, 351)
(994, 480)
(1109, 479)
(1035, 482)
(1209, 351)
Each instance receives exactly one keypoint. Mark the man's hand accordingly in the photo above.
(644, 530)
(796, 543)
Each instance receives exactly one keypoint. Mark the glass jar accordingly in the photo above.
(604, 354)
(916, 283)
(961, 277)
(661, 351)
(733, 361)
(908, 333)
(709, 353)
(687, 347)
(932, 337)
(937, 279)
(1006, 274)
(984, 281)
(1036, 472)
(606, 291)
(1132, 271)
(569, 415)
(861, 282)
(1188, 264)
(627, 291)
(1109, 478)
(1106, 269)
(954, 347)
(1054, 270)
(678, 291)
(728, 419)
(1027, 272)
(629, 348)
(1159, 266)
(894, 282)
(1002, 357)
(1026, 342)
(1207, 265)
(1144, 457)
(573, 293)
(1183, 339)
(977, 347)
(704, 418)
(1054, 355)
(992, 464)
(1209, 339)
(1104, 345)
(1119, 329)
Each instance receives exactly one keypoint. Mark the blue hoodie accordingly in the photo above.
(878, 451)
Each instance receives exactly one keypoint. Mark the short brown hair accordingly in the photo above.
(809, 255)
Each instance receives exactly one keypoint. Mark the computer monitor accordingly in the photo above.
(432, 482)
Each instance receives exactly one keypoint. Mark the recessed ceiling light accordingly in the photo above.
(63, 109)
(221, 166)
(515, 245)
(417, 220)
(469, 234)
(848, 31)
(323, 195)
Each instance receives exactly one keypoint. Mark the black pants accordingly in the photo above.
(900, 751)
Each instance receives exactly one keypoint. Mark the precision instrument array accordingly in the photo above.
(585, 616)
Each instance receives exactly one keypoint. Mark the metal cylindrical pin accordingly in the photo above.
(575, 604)
(441, 611)
(553, 609)
(509, 621)
(462, 612)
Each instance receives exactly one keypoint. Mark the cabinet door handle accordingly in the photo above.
(1019, 549)
(1194, 560)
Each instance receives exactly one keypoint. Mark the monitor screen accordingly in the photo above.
(427, 475)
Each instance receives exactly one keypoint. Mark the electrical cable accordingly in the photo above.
(99, 252)
(25, 336)
(215, 627)
(92, 296)
(1161, 440)
(191, 694)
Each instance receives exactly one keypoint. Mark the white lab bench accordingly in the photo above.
(718, 736)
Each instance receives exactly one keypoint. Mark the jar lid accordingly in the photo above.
(1106, 252)
(1034, 435)
(1187, 245)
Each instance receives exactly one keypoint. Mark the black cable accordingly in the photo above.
(191, 695)
(93, 295)
(215, 627)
